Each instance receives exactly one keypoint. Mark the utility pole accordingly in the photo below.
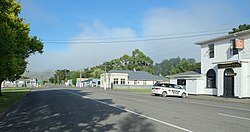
(105, 79)
(80, 78)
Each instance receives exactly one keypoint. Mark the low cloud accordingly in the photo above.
(82, 55)
(195, 17)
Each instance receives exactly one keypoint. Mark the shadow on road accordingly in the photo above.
(134, 123)
(57, 110)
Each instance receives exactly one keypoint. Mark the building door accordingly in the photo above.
(229, 83)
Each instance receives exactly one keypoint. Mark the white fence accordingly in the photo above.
(132, 86)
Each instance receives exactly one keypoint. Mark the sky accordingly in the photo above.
(81, 34)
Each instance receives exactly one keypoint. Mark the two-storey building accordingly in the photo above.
(225, 67)
(225, 62)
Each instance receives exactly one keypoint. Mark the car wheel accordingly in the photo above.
(184, 95)
(164, 94)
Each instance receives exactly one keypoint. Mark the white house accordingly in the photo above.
(129, 79)
(79, 82)
(225, 67)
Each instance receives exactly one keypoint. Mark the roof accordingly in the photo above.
(138, 75)
(186, 74)
(228, 36)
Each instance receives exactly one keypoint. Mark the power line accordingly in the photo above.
(157, 35)
(133, 40)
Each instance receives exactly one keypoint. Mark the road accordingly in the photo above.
(97, 110)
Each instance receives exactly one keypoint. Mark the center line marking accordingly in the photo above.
(243, 118)
(148, 117)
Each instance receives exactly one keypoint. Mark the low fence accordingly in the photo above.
(133, 86)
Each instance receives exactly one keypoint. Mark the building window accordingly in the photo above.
(211, 79)
(181, 82)
(122, 81)
(144, 82)
(235, 51)
(115, 80)
(135, 82)
(211, 50)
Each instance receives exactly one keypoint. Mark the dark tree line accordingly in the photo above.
(176, 65)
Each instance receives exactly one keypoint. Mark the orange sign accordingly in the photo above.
(239, 44)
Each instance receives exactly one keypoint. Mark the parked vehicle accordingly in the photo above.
(167, 89)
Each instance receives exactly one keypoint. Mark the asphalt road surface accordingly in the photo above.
(97, 110)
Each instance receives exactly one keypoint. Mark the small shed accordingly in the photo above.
(192, 81)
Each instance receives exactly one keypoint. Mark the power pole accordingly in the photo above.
(80, 78)
(105, 79)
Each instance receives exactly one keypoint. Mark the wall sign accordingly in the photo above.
(229, 65)
(230, 74)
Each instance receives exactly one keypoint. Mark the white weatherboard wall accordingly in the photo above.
(193, 85)
(223, 53)
(110, 78)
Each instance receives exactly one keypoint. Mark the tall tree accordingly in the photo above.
(141, 62)
(184, 66)
(164, 67)
(61, 75)
(16, 44)
(73, 74)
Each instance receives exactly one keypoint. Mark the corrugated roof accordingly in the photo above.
(138, 75)
(228, 36)
(186, 74)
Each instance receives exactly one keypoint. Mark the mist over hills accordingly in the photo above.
(39, 75)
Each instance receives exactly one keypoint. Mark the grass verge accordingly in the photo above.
(11, 95)
(134, 90)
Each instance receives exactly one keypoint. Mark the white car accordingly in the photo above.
(167, 89)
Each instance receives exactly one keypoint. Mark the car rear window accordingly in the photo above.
(158, 84)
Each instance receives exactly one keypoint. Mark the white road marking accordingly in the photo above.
(243, 118)
(148, 117)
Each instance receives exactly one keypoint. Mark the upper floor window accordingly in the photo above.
(234, 49)
(115, 80)
(211, 79)
(211, 50)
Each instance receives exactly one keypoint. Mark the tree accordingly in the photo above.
(141, 62)
(52, 80)
(138, 61)
(97, 72)
(73, 74)
(74, 81)
(16, 45)
(184, 66)
(164, 67)
(240, 28)
(61, 75)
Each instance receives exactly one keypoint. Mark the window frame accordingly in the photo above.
(116, 80)
(182, 80)
(211, 79)
(122, 81)
(211, 50)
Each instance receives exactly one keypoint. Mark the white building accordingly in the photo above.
(129, 79)
(80, 81)
(225, 67)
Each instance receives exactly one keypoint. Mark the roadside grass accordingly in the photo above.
(10, 96)
(134, 90)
